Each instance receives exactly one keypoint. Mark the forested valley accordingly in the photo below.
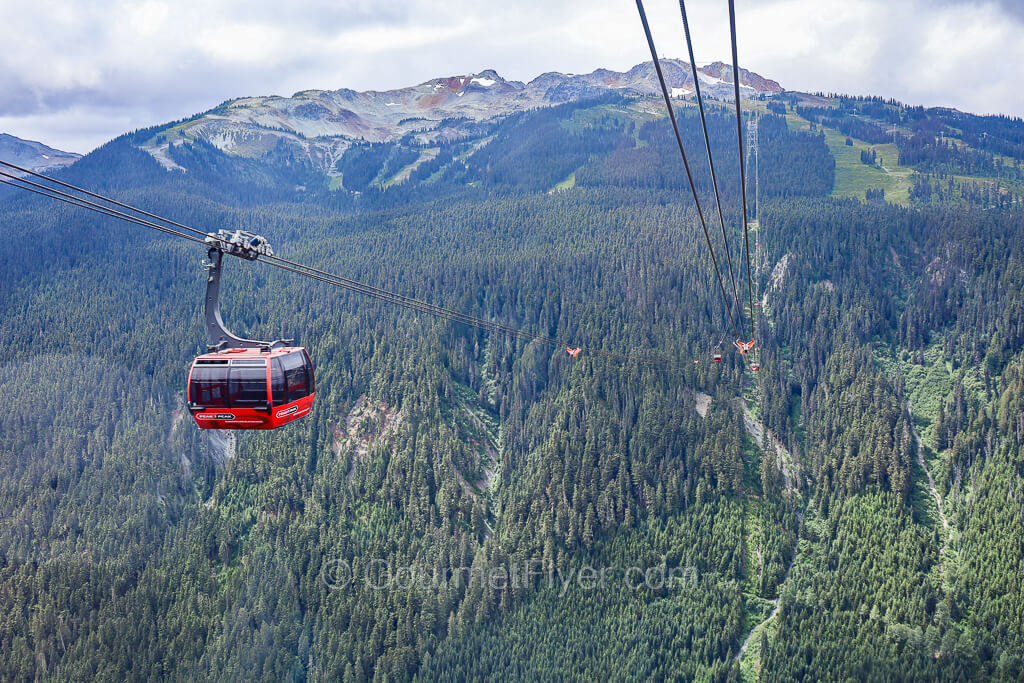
(854, 511)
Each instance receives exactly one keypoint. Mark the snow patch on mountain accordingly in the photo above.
(710, 80)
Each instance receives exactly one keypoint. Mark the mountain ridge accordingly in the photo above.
(324, 123)
(34, 155)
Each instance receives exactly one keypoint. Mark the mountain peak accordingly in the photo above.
(488, 75)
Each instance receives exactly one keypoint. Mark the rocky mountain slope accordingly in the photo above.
(34, 155)
(322, 124)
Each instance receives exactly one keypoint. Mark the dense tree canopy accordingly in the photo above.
(363, 541)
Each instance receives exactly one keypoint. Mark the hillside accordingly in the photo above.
(34, 155)
(319, 126)
(351, 143)
(461, 506)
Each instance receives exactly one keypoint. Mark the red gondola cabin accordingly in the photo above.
(251, 388)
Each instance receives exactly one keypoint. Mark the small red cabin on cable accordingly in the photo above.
(251, 388)
(573, 351)
(718, 357)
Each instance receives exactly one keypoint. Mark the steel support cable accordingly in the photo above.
(707, 145)
(393, 296)
(99, 196)
(686, 164)
(92, 206)
(438, 311)
(313, 273)
(344, 282)
(357, 286)
(415, 305)
(352, 284)
(383, 295)
(403, 301)
(743, 176)
(426, 307)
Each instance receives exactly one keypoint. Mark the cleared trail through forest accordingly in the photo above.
(777, 601)
(944, 548)
(900, 177)
(757, 430)
(927, 472)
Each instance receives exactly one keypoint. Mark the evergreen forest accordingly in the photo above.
(462, 505)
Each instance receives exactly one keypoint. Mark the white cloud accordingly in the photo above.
(383, 38)
(132, 64)
(148, 18)
(244, 44)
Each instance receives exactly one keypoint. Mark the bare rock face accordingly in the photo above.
(750, 82)
(221, 444)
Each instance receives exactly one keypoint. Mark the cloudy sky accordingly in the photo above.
(75, 74)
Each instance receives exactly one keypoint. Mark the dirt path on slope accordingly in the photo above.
(944, 548)
(789, 470)
(756, 429)
(931, 481)
(777, 601)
